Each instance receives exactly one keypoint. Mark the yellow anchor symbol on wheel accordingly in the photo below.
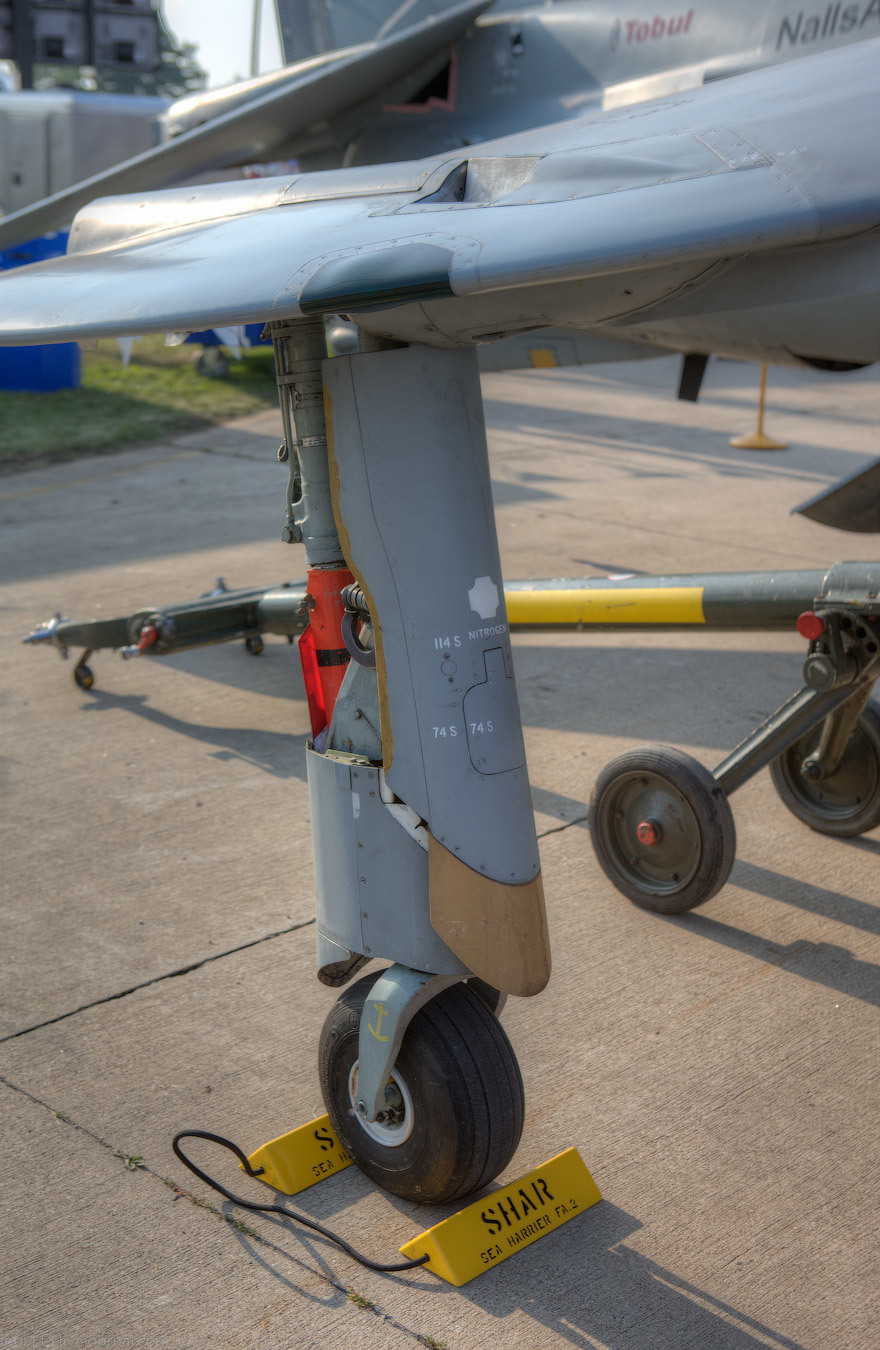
(381, 1010)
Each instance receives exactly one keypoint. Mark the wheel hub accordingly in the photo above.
(653, 832)
(649, 833)
(838, 794)
(394, 1124)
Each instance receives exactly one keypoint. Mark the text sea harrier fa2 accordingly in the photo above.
(682, 217)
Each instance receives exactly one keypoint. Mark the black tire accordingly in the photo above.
(847, 803)
(83, 677)
(254, 644)
(487, 992)
(462, 1080)
(690, 859)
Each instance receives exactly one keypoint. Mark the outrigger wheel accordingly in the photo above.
(455, 1101)
(843, 803)
(662, 829)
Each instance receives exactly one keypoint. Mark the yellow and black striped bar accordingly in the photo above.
(725, 600)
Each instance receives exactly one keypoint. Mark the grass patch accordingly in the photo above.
(158, 395)
(131, 1161)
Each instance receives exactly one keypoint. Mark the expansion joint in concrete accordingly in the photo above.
(566, 825)
(228, 1215)
(157, 979)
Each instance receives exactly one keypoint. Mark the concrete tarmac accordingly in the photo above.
(718, 1071)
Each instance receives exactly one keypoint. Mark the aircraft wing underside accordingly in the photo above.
(769, 160)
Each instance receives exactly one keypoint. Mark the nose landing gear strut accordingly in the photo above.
(423, 830)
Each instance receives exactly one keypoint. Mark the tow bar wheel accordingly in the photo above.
(662, 829)
(83, 677)
(454, 1100)
(845, 803)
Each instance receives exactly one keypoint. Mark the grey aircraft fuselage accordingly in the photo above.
(527, 65)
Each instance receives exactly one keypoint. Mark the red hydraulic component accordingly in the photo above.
(149, 635)
(810, 626)
(648, 832)
(312, 681)
(322, 651)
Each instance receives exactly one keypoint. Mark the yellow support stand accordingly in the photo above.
(757, 440)
(498, 1225)
(475, 1239)
(301, 1157)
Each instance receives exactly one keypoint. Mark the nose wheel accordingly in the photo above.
(844, 803)
(454, 1100)
(662, 829)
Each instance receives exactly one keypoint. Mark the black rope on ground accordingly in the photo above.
(275, 1209)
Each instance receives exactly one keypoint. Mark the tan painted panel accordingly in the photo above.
(498, 930)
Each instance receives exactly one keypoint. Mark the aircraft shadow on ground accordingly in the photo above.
(568, 810)
(284, 1261)
(822, 962)
(831, 965)
(611, 569)
(505, 493)
(591, 690)
(124, 533)
(778, 405)
(869, 845)
(603, 690)
(275, 752)
(730, 383)
(595, 434)
(634, 1303)
(276, 673)
(674, 695)
(120, 533)
(804, 895)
